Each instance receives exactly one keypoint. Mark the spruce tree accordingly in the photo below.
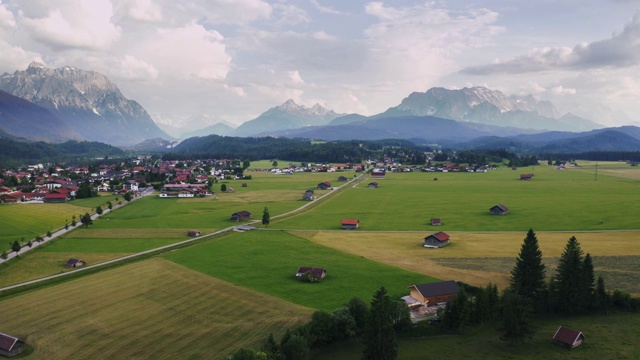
(266, 218)
(528, 275)
(589, 281)
(569, 284)
(380, 337)
(516, 318)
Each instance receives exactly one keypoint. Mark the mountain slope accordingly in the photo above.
(490, 107)
(22, 118)
(85, 101)
(286, 116)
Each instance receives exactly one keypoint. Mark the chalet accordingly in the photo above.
(498, 210)
(55, 198)
(568, 337)
(373, 185)
(74, 263)
(526, 176)
(434, 293)
(241, 216)
(13, 197)
(436, 240)
(324, 185)
(193, 233)
(11, 345)
(5, 190)
(131, 185)
(349, 224)
(342, 178)
(435, 221)
(316, 273)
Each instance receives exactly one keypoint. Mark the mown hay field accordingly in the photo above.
(480, 258)
(267, 261)
(552, 200)
(31, 220)
(154, 309)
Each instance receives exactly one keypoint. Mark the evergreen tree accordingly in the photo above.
(86, 220)
(127, 196)
(589, 280)
(223, 187)
(528, 275)
(360, 312)
(570, 290)
(601, 299)
(266, 219)
(516, 318)
(99, 210)
(457, 313)
(15, 247)
(380, 337)
(295, 347)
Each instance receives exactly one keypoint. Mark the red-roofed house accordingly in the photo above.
(55, 198)
(568, 337)
(526, 176)
(74, 263)
(10, 345)
(436, 240)
(193, 233)
(324, 185)
(349, 224)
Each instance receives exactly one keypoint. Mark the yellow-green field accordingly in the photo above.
(153, 309)
(480, 258)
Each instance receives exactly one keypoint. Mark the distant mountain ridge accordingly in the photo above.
(286, 116)
(491, 107)
(86, 101)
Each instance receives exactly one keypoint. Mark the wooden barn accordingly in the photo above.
(373, 185)
(324, 185)
(10, 345)
(193, 233)
(308, 195)
(349, 224)
(526, 176)
(434, 293)
(498, 210)
(74, 263)
(435, 221)
(316, 273)
(568, 337)
(241, 216)
(342, 178)
(436, 240)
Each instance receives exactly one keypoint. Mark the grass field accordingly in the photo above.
(165, 311)
(607, 337)
(552, 200)
(31, 220)
(480, 258)
(267, 261)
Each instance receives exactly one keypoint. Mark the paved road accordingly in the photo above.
(149, 192)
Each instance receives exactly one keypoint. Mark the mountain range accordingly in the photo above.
(57, 105)
(85, 101)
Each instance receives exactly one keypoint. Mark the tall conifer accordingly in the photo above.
(570, 290)
(528, 275)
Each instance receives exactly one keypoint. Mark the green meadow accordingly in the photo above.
(225, 292)
(553, 201)
(267, 261)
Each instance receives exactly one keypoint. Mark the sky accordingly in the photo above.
(191, 63)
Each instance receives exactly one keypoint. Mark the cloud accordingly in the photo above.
(7, 20)
(142, 10)
(15, 57)
(227, 11)
(290, 15)
(621, 50)
(84, 24)
(561, 90)
(325, 9)
(190, 51)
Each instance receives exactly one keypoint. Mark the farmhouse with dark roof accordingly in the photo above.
(434, 293)
(436, 240)
(499, 209)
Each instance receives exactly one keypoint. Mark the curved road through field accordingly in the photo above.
(166, 247)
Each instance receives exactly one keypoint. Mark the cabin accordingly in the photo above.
(74, 263)
(244, 184)
(349, 224)
(230, 190)
(499, 209)
(526, 176)
(568, 337)
(308, 195)
(373, 185)
(324, 185)
(436, 240)
(435, 221)
(10, 345)
(193, 233)
(316, 273)
(9, 198)
(342, 178)
(434, 293)
(241, 216)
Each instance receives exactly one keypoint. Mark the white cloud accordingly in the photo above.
(188, 51)
(227, 11)
(7, 20)
(16, 58)
(74, 24)
(325, 9)
(288, 14)
(620, 50)
(295, 78)
(561, 90)
(142, 10)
